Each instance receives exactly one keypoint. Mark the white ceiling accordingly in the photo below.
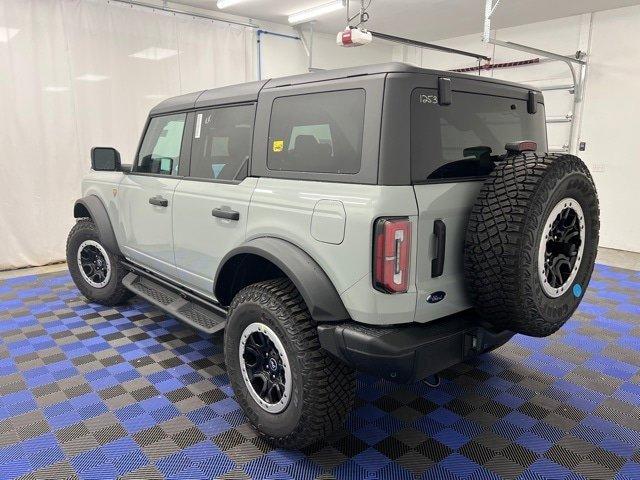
(421, 19)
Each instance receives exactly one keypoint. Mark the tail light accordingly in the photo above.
(392, 254)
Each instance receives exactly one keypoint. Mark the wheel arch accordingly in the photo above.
(265, 258)
(92, 207)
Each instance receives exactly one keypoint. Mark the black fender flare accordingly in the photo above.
(317, 290)
(92, 206)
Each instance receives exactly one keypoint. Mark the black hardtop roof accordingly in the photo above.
(248, 92)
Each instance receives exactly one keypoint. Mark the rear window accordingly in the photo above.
(462, 140)
(317, 132)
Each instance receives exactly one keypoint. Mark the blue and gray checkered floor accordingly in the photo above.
(94, 392)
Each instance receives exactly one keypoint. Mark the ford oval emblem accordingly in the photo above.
(436, 297)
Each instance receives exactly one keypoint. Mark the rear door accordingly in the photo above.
(453, 148)
(211, 204)
(146, 194)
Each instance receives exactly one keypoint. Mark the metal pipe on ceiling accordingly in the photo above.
(259, 34)
(430, 46)
(164, 8)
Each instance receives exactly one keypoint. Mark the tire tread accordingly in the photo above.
(501, 242)
(85, 226)
(329, 387)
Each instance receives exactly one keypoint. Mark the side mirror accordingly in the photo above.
(166, 165)
(105, 159)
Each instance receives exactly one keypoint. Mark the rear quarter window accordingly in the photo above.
(317, 132)
(464, 139)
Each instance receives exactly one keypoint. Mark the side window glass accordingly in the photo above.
(222, 143)
(317, 132)
(160, 150)
(322, 134)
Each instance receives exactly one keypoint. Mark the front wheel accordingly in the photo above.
(96, 272)
(292, 391)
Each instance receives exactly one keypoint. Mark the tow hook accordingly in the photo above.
(473, 344)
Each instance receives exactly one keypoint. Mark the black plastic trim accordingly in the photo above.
(158, 175)
(409, 353)
(532, 102)
(173, 286)
(226, 214)
(319, 294)
(444, 91)
(144, 287)
(98, 213)
(118, 165)
(436, 181)
(185, 147)
(437, 263)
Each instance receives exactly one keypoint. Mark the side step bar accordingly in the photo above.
(205, 318)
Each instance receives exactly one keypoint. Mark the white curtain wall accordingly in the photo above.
(80, 73)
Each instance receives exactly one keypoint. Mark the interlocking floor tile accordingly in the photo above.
(88, 391)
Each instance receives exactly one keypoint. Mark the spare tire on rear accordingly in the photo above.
(531, 242)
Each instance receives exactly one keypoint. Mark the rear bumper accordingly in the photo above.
(412, 352)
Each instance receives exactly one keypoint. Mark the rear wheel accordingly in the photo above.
(531, 242)
(292, 391)
(96, 272)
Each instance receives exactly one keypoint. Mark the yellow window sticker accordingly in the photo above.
(278, 145)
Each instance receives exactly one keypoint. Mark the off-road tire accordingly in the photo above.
(113, 293)
(504, 234)
(323, 388)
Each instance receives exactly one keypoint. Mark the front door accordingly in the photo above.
(146, 195)
(211, 204)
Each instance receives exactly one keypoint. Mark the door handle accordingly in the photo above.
(159, 201)
(440, 232)
(226, 213)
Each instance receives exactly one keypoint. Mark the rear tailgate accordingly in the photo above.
(453, 148)
(449, 203)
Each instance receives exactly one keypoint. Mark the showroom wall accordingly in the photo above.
(76, 74)
(79, 73)
(283, 56)
(605, 119)
(608, 123)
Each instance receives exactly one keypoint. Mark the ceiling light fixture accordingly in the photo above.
(311, 13)
(227, 3)
(155, 53)
(91, 77)
(7, 33)
(54, 88)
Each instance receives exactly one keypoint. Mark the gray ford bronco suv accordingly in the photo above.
(388, 219)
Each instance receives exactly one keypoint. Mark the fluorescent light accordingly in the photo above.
(314, 12)
(155, 53)
(227, 3)
(53, 88)
(7, 33)
(91, 77)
